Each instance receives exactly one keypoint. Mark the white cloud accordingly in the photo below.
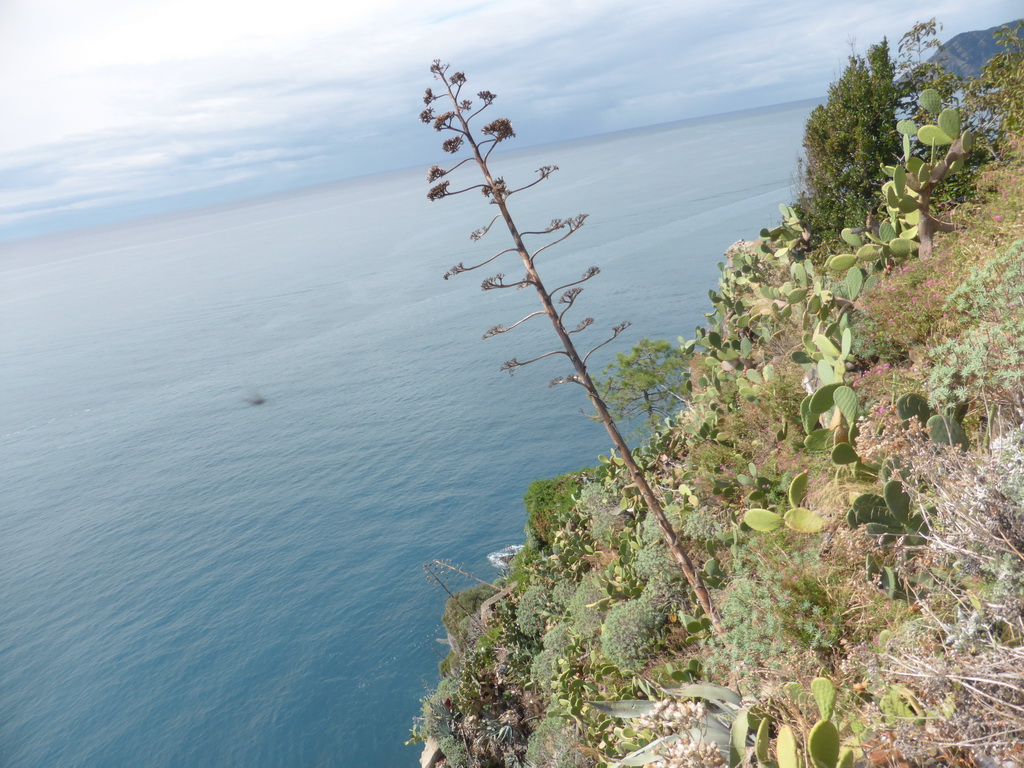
(136, 98)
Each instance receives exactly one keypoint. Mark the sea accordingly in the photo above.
(231, 438)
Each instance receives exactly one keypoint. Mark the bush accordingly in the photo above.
(906, 309)
(986, 359)
(846, 140)
(547, 502)
(596, 502)
(460, 616)
(630, 633)
(654, 562)
(586, 622)
(553, 745)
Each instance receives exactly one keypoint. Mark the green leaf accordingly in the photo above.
(818, 440)
(823, 744)
(803, 520)
(843, 454)
(967, 141)
(796, 295)
(826, 373)
(798, 488)
(868, 508)
(785, 748)
(902, 248)
(824, 343)
(913, 406)
(846, 401)
(907, 127)
(931, 101)
(762, 520)
(823, 400)
(840, 261)
(738, 737)
(626, 709)
(706, 691)
(897, 500)
(825, 696)
(899, 180)
(852, 238)
(854, 283)
(943, 429)
(949, 122)
(761, 744)
(934, 136)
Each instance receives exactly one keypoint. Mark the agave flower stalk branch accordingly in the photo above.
(457, 121)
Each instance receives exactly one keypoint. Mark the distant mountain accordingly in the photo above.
(968, 52)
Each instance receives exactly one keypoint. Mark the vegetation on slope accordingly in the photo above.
(850, 468)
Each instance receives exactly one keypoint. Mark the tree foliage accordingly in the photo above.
(647, 383)
(997, 96)
(846, 141)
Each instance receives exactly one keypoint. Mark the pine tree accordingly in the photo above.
(846, 141)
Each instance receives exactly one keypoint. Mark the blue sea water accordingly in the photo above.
(190, 580)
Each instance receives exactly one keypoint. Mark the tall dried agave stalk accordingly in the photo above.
(456, 121)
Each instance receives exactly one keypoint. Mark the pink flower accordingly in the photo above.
(997, 218)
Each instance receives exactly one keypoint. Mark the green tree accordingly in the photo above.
(997, 97)
(647, 383)
(915, 72)
(846, 140)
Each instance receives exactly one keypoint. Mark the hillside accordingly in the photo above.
(847, 475)
(966, 53)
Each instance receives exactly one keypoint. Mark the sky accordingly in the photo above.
(113, 109)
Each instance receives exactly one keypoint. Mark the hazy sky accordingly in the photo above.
(116, 108)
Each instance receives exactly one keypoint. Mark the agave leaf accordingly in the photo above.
(625, 709)
(706, 691)
(646, 754)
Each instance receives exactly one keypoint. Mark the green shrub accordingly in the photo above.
(630, 633)
(600, 505)
(586, 622)
(461, 619)
(522, 566)
(553, 745)
(654, 561)
(788, 610)
(547, 502)
(985, 361)
(846, 140)
(542, 604)
(532, 610)
(455, 753)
